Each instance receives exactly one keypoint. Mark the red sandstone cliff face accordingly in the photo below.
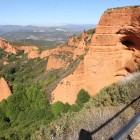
(15, 49)
(67, 51)
(113, 53)
(59, 57)
(5, 91)
(27, 49)
(76, 45)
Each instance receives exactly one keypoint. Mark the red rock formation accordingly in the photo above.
(46, 53)
(27, 49)
(11, 49)
(76, 45)
(5, 63)
(55, 63)
(3, 44)
(5, 91)
(15, 49)
(113, 53)
(33, 54)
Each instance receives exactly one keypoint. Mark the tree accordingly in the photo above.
(9, 77)
(20, 52)
(57, 108)
(10, 70)
(82, 97)
(67, 106)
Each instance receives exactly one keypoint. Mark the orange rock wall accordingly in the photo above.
(55, 63)
(73, 47)
(113, 53)
(5, 91)
(27, 49)
(33, 54)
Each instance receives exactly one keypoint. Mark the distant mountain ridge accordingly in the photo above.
(69, 27)
(60, 34)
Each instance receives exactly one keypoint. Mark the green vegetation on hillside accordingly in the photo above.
(15, 43)
(28, 108)
(2, 53)
(105, 113)
(27, 114)
(40, 43)
(91, 31)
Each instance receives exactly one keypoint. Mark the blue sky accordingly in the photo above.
(56, 12)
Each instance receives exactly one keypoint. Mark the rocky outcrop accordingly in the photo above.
(55, 63)
(33, 54)
(3, 44)
(11, 49)
(46, 53)
(27, 49)
(5, 63)
(61, 60)
(64, 53)
(113, 53)
(76, 45)
(14, 49)
(5, 91)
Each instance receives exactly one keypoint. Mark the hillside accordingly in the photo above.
(55, 35)
(90, 82)
(40, 43)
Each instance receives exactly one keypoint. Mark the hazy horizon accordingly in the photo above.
(44, 25)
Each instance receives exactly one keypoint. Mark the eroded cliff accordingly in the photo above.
(14, 49)
(113, 53)
(107, 56)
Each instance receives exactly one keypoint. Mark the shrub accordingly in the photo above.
(11, 58)
(9, 77)
(82, 97)
(91, 31)
(20, 52)
(2, 75)
(75, 108)
(82, 57)
(0, 68)
(67, 107)
(10, 70)
(57, 108)
(2, 53)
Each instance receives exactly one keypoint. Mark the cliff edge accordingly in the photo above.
(114, 52)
